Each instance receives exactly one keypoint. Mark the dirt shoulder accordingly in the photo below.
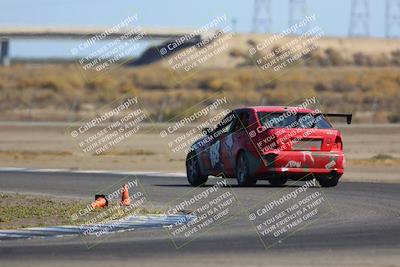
(21, 211)
(24, 210)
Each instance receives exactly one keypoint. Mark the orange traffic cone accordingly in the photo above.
(99, 202)
(125, 200)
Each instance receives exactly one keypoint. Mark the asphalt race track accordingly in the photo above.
(363, 229)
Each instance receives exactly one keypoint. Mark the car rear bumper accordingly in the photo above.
(317, 162)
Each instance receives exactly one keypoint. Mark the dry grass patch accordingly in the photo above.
(377, 160)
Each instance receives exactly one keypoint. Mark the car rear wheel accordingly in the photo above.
(329, 180)
(242, 171)
(277, 181)
(193, 173)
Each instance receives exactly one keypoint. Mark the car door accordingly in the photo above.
(211, 156)
(233, 141)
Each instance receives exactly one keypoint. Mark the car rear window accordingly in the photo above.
(299, 120)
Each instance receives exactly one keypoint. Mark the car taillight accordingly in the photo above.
(338, 145)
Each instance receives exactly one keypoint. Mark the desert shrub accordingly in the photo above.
(313, 58)
(382, 157)
(361, 59)
(237, 53)
(318, 60)
(101, 83)
(126, 87)
(245, 79)
(213, 84)
(231, 85)
(251, 42)
(52, 84)
(277, 50)
(393, 117)
(381, 60)
(334, 57)
(44, 97)
(320, 87)
(49, 82)
(341, 86)
(269, 84)
(395, 57)
(154, 78)
(281, 96)
(251, 60)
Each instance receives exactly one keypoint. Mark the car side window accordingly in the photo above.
(241, 122)
(245, 119)
(226, 124)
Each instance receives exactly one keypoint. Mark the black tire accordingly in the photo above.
(329, 180)
(277, 181)
(242, 171)
(193, 172)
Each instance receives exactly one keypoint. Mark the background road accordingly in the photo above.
(364, 228)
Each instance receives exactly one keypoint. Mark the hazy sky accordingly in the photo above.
(332, 16)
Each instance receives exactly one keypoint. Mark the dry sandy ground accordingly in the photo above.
(50, 145)
(374, 47)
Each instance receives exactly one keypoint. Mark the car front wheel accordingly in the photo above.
(193, 173)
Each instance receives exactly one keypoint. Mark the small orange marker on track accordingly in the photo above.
(125, 200)
(99, 202)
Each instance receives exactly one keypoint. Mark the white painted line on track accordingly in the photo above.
(127, 224)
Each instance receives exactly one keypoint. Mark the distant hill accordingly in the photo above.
(352, 51)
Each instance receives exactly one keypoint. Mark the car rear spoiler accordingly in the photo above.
(340, 115)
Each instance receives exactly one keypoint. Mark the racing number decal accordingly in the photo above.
(216, 159)
(229, 146)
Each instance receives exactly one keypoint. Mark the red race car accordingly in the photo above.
(269, 143)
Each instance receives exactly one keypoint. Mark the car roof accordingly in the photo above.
(278, 109)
